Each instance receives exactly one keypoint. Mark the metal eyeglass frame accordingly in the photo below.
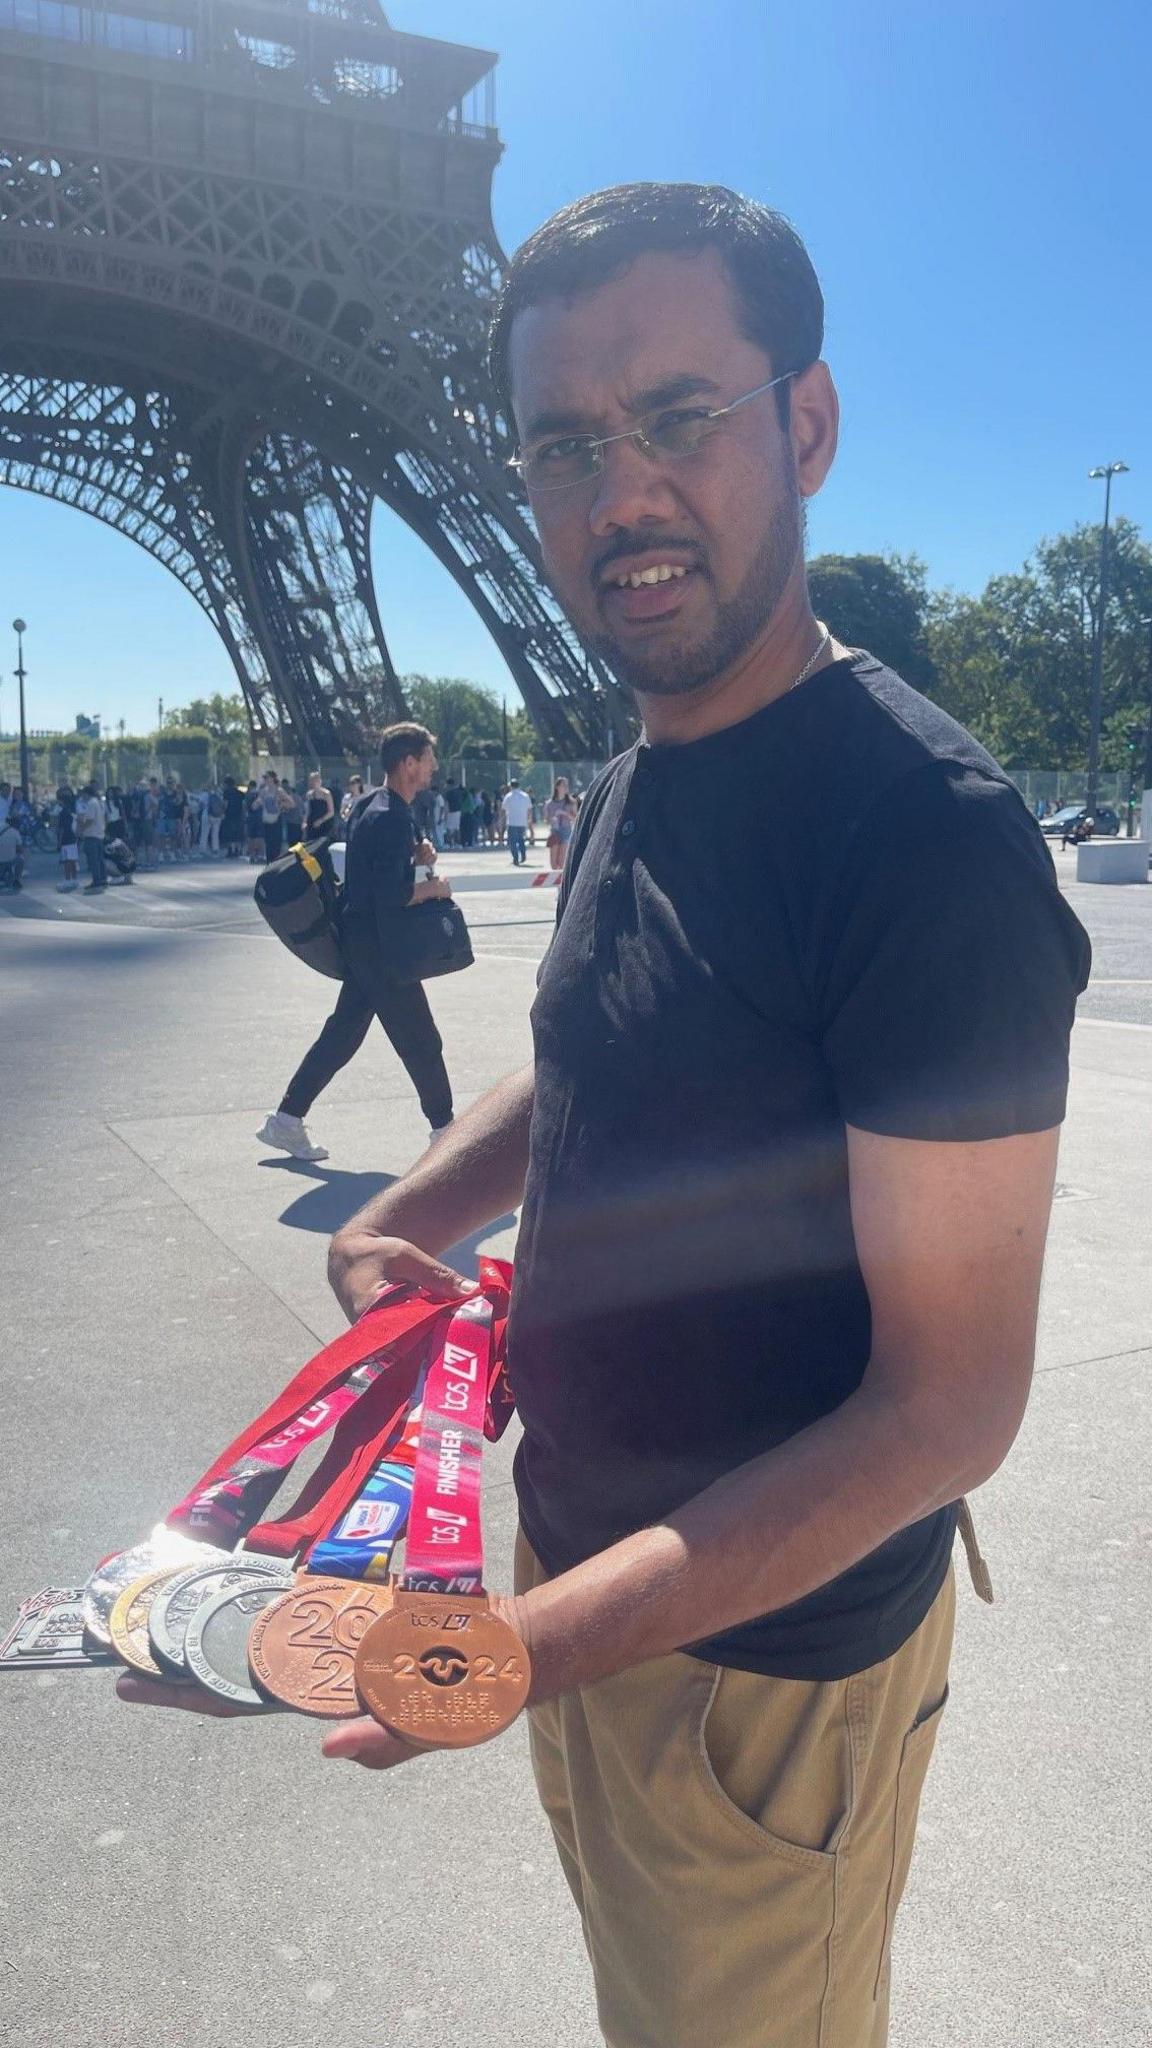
(596, 443)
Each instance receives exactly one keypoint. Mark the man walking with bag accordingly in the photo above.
(380, 889)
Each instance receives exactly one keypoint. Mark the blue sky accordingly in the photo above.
(975, 185)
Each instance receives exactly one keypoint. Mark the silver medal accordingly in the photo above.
(164, 1547)
(179, 1600)
(216, 1645)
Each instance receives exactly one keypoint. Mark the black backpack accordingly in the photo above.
(300, 900)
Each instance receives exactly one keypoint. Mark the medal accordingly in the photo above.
(164, 1547)
(302, 1649)
(128, 1622)
(216, 1645)
(440, 1669)
(178, 1598)
(48, 1634)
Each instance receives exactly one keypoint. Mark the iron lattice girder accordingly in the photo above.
(118, 454)
(361, 312)
(133, 457)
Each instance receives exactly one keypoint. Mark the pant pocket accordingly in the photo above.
(773, 1758)
(915, 1758)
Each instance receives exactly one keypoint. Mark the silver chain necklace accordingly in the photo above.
(824, 641)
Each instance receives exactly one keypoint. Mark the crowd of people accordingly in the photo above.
(158, 822)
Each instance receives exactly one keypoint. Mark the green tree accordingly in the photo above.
(879, 602)
(221, 720)
(1015, 665)
(460, 713)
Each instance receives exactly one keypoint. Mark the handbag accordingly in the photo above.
(425, 941)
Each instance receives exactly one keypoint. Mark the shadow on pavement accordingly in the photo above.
(332, 1197)
(335, 1196)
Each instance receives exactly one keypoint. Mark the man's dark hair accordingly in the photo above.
(592, 241)
(400, 742)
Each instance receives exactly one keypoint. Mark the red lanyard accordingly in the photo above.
(360, 1387)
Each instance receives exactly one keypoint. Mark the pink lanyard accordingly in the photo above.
(445, 1548)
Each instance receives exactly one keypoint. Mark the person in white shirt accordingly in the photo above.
(517, 808)
(91, 820)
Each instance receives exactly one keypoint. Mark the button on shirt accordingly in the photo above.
(839, 911)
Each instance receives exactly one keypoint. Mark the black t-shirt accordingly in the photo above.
(379, 869)
(719, 1000)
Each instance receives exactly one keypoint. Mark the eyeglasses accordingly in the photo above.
(663, 436)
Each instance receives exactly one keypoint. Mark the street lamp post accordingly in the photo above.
(19, 628)
(1107, 470)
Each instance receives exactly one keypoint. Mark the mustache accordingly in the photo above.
(627, 545)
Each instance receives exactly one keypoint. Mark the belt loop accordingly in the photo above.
(978, 1570)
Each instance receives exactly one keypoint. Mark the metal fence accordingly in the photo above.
(1058, 786)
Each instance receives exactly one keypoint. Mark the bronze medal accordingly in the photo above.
(302, 1650)
(442, 1671)
(128, 1621)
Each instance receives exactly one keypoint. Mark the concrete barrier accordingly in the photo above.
(1112, 860)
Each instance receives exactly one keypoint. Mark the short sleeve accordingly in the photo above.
(953, 968)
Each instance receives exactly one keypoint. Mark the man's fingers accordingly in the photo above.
(363, 1741)
(420, 1270)
(155, 1692)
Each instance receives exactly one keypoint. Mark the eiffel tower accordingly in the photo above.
(247, 263)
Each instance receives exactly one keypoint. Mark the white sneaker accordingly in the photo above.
(437, 1131)
(288, 1134)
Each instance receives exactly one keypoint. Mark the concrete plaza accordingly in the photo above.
(177, 1882)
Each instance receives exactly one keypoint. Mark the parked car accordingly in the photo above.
(1107, 822)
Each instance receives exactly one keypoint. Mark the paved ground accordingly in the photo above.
(169, 1882)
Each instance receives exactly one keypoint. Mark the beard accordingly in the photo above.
(738, 623)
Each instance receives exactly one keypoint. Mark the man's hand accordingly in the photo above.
(192, 1699)
(362, 1264)
(434, 891)
(426, 854)
(471, 1176)
(363, 1741)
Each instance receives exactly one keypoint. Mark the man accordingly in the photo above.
(517, 808)
(90, 825)
(379, 886)
(211, 817)
(11, 854)
(786, 1154)
(5, 801)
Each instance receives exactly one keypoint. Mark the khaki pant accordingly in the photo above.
(737, 1845)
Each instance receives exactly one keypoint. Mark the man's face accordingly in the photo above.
(665, 335)
(426, 765)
